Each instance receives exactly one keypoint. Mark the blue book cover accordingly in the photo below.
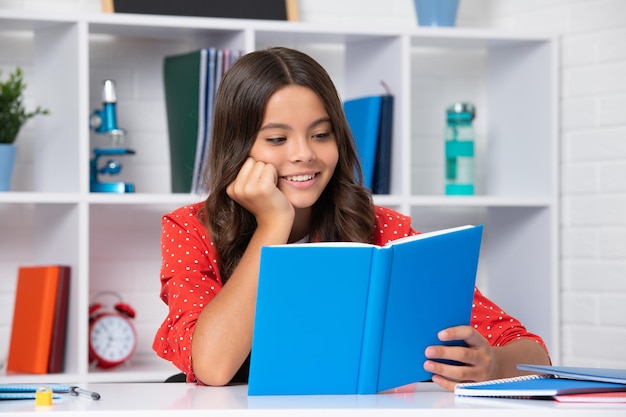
(382, 165)
(363, 116)
(576, 372)
(354, 318)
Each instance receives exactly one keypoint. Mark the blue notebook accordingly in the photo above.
(382, 167)
(532, 386)
(363, 116)
(574, 372)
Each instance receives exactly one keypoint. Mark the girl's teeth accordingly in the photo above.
(300, 178)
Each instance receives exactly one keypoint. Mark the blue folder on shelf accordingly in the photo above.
(370, 119)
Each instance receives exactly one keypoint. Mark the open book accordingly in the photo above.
(348, 318)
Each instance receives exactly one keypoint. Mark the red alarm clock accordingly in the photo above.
(112, 335)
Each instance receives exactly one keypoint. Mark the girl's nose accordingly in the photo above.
(301, 151)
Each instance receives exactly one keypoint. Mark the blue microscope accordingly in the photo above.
(104, 121)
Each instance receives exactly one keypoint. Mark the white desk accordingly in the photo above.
(179, 399)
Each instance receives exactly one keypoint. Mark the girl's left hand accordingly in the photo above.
(478, 358)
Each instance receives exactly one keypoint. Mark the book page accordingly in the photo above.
(427, 235)
(327, 244)
(393, 242)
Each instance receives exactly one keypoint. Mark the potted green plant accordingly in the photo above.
(13, 115)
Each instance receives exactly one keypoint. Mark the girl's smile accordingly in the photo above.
(300, 181)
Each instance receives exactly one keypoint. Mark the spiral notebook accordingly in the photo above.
(531, 386)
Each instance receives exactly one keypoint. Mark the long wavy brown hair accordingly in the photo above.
(344, 211)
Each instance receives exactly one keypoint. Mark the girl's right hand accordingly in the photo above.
(255, 189)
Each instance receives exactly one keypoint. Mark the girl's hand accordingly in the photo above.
(479, 360)
(255, 189)
(478, 357)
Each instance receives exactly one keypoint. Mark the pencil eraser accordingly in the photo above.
(43, 396)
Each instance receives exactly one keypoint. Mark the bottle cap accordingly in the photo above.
(43, 396)
(461, 110)
(108, 92)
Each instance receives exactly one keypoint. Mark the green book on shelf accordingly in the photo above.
(184, 79)
(191, 82)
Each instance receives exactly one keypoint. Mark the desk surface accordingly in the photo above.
(180, 399)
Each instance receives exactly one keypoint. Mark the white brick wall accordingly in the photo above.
(593, 152)
(593, 145)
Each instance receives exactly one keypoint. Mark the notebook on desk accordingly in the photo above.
(534, 386)
(574, 372)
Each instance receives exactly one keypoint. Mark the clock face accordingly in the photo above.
(112, 338)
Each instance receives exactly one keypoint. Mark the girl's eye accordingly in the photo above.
(276, 140)
(322, 136)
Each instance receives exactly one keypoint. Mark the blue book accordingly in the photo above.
(371, 120)
(354, 318)
(382, 165)
(576, 372)
(363, 116)
(533, 386)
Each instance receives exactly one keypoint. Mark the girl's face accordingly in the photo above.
(297, 138)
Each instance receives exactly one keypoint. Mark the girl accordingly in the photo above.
(282, 170)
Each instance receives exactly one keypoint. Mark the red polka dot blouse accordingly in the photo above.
(190, 279)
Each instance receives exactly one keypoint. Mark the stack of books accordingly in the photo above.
(191, 81)
(561, 383)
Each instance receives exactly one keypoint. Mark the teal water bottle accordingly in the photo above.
(460, 175)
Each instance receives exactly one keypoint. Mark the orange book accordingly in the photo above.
(59, 327)
(39, 319)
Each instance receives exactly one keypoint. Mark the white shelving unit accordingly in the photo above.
(112, 241)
